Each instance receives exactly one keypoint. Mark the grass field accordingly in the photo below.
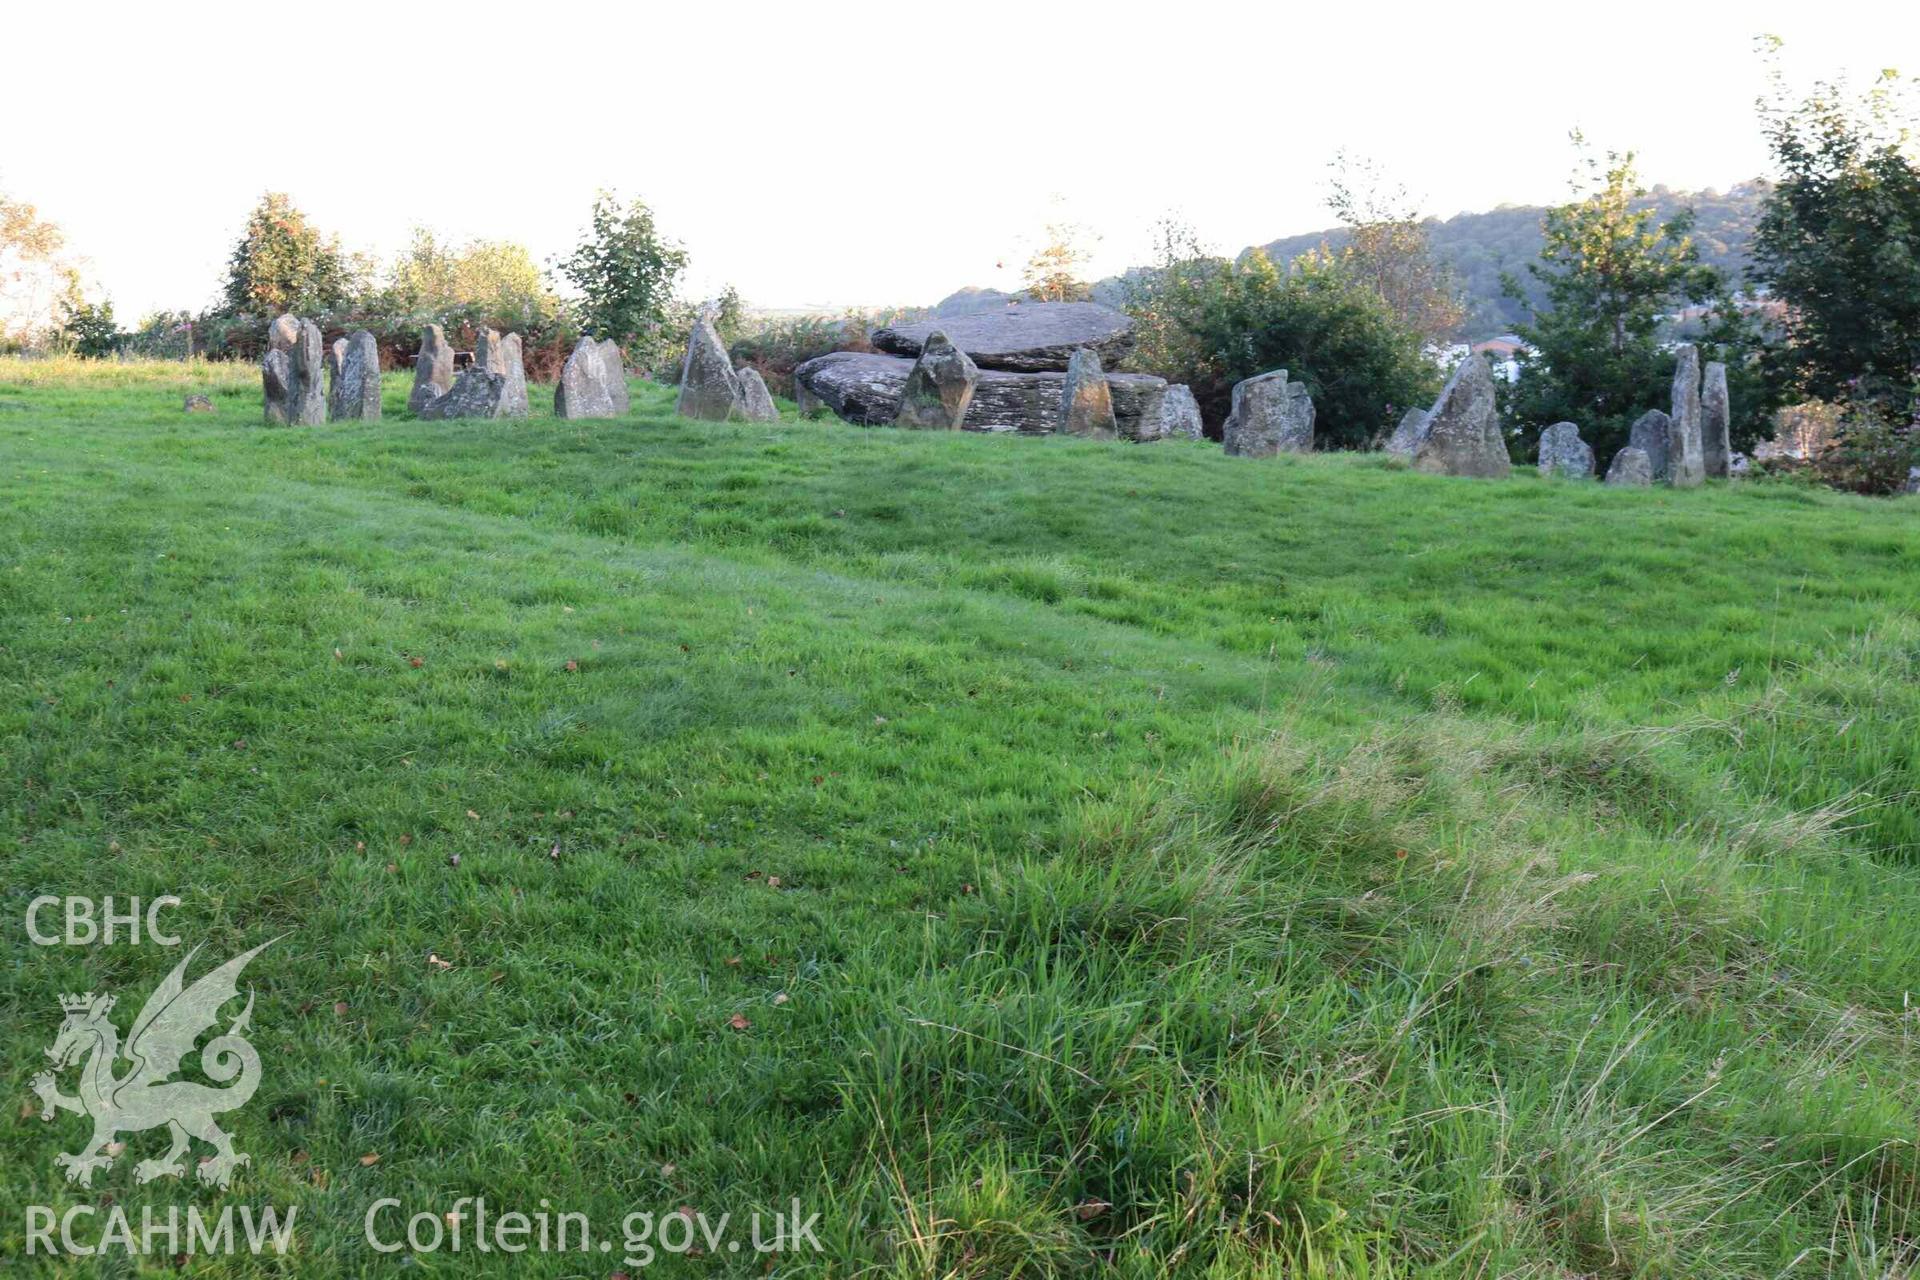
(1037, 857)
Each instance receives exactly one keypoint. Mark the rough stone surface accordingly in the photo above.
(1180, 414)
(1913, 481)
(805, 401)
(614, 360)
(1739, 466)
(1086, 406)
(1631, 467)
(584, 389)
(355, 391)
(501, 355)
(291, 376)
(709, 388)
(197, 404)
(1463, 432)
(335, 354)
(1406, 438)
(1564, 454)
(939, 388)
(756, 402)
(1269, 415)
(1686, 461)
(1650, 434)
(1024, 337)
(864, 389)
(1716, 422)
(432, 369)
(476, 393)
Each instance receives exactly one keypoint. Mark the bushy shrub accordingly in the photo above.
(1870, 453)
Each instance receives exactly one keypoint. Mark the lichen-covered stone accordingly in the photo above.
(1463, 435)
(292, 373)
(500, 354)
(709, 388)
(1180, 414)
(583, 390)
(477, 393)
(1651, 433)
(355, 393)
(1564, 454)
(1716, 422)
(614, 361)
(1086, 405)
(432, 369)
(756, 402)
(864, 388)
(939, 388)
(197, 404)
(1406, 438)
(1269, 415)
(1026, 337)
(1631, 468)
(1686, 460)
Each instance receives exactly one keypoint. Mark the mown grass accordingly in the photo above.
(1126, 860)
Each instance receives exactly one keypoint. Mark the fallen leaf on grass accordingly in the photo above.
(739, 1022)
(370, 1159)
(339, 1008)
(781, 998)
(435, 962)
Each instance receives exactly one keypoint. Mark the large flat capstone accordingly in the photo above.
(865, 390)
(1023, 338)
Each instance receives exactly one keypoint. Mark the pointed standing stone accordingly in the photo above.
(1086, 405)
(1269, 415)
(432, 369)
(939, 388)
(615, 362)
(1651, 432)
(1686, 463)
(1463, 431)
(292, 373)
(709, 388)
(1716, 422)
(1564, 454)
(1631, 469)
(583, 390)
(355, 393)
(1180, 414)
(1406, 438)
(756, 402)
(501, 355)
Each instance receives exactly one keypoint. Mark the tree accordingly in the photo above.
(1839, 243)
(1610, 272)
(89, 329)
(625, 271)
(283, 263)
(1386, 246)
(1053, 272)
(489, 283)
(29, 247)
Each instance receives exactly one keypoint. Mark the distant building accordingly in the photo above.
(1503, 353)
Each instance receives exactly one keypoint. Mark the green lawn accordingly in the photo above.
(1036, 856)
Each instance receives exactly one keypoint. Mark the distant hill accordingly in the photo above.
(1480, 246)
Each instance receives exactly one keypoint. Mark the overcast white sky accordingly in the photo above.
(855, 154)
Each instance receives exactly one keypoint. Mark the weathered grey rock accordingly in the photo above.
(432, 369)
(939, 387)
(614, 361)
(1024, 337)
(805, 401)
(477, 393)
(1740, 466)
(1463, 430)
(584, 389)
(1913, 481)
(1180, 414)
(1564, 454)
(709, 388)
(1631, 468)
(1269, 415)
(1086, 406)
(197, 404)
(291, 376)
(1406, 438)
(1650, 435)
(865, 388)
(355, 390)
(1716, 421)
(1686, 461)
(756, 402)
(501, 354)
(335, 354)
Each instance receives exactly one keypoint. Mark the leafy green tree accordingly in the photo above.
(487, 283)
(87, 328)
(1610, 271)
(1839, 243)
(626, 272)
(283, 263)
(1053, 273)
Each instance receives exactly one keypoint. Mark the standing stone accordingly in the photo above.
(1180, 414)
(1650, 434)
(1740, 466)
(198, 404)
(939, 388)
(1406, 438)
(355, 391)
(1564, 454)
(1086, 405)
(501, 355)
(709, 388)
(1463, 430)
(432, 369)
(1686, 463)
(292, 373)
(335, 354)
(1716, 422)
(476, 393)
(1913, 481)
(584, 390)
(805, 401)
(1269, 415)
(614, 361)
(756, 402)
(1631, 468)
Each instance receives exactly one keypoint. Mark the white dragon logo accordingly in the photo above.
(145, 1098)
